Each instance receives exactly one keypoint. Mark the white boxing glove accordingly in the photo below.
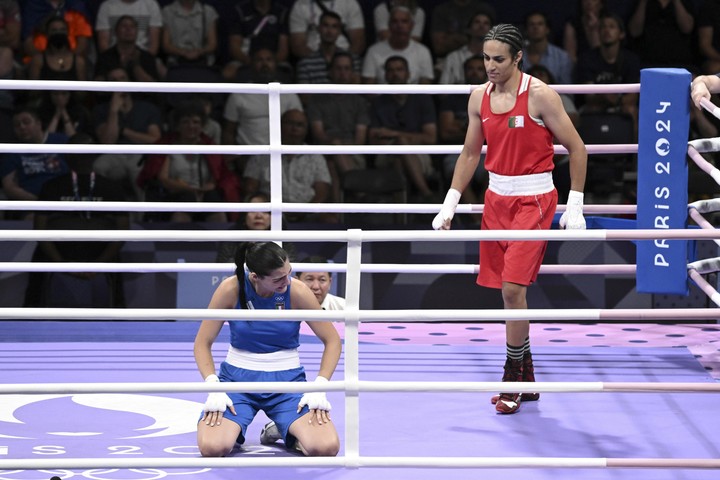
(315, 400)
(572, 218)
(447, 211)
(216, 401)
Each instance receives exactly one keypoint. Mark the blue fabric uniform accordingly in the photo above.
(264, 337)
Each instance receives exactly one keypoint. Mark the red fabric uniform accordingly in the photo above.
(516, 145)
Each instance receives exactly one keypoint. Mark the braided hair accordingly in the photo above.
(509, 35)
(261, 258)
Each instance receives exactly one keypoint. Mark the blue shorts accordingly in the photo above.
(279, 407)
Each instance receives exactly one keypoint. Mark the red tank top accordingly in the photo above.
(516, 144)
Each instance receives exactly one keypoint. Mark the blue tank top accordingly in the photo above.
(263, 336)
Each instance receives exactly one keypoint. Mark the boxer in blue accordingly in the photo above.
(262, 351)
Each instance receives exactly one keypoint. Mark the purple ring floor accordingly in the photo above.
(583, 425)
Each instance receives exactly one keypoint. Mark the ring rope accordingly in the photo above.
(706, 206)
(266, 150)
(408, 315)
(361, 386)
(229, 268)
(703, 284)
(25, 205)
(363, 462)
(695, 210)
(268, 88)
(263, 207)
(343, 236)
(704, 165)
(710, 107)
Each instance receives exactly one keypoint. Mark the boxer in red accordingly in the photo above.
(518, 116)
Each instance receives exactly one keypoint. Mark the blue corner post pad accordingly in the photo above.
(662, 186)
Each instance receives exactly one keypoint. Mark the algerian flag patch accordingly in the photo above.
(516, 122)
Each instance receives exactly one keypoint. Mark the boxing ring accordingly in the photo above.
(437, 419)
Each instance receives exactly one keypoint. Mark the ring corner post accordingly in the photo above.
(662, 186)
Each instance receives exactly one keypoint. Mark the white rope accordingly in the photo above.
(705, 145)
(704, 165)
(709, 265)
(409, 315)
(710, 107)
(701, 222)
(82, 206)
(342, 236)
(706, 206)
(705, 286)
(361, 386)
(164, 149)
(360, 462)
(229, 268)
(264, 88)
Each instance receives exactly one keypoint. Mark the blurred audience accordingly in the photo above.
(661, 32)
(24, 174)
(449, 23)
(78, 289)
(140, 65)
(314, 68)
(582, 32)
(398, 43)
(63, 112)
(539, 51)
(9, 47)
(246, 221)
(146, 13)
(252, 25)
(402, 119)
(381, 18)
(189, 34)
(246, 115)
(454, 67)
(305, 177)
(57, 61)
(610, 63)
(305, 18)
(185, 177)
(708, 33)
(36, 13)
(122, 119)
(340, 119)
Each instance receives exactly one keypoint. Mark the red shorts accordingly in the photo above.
(514, 261)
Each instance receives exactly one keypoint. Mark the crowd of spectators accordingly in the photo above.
(307, 41)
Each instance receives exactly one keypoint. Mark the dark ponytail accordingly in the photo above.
(240, 253)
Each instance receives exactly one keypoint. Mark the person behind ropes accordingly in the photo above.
(265, 351)
(22, 175)
(702, 87)
(320, 283)
(251, 221)
(518, 116)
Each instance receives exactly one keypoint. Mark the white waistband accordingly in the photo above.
(264, 362)
(535, 184)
